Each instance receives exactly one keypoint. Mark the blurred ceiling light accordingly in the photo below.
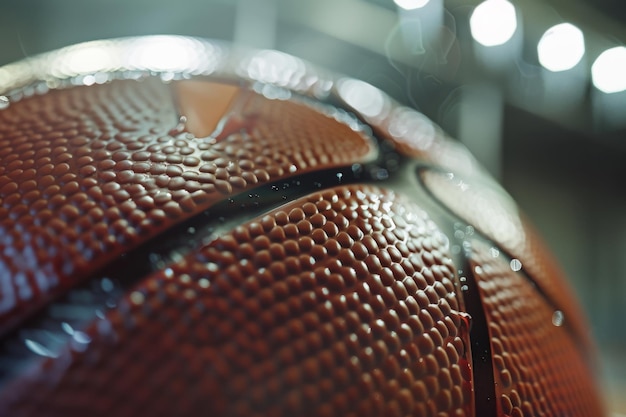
(493, 22)
(608, 72)
(411, 4)
(561, 47)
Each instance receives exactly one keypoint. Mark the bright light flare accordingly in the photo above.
(411, 4)
(363, 97)
(608, 72)
(165, 53)
(274, 67)
(561, 48)
(91, 58)
(412, 128)
(493, 22)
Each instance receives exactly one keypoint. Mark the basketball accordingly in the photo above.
(191, 229)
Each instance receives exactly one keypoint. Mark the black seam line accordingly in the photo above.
(523, 271)
(236, 210)
(174, 243)
(483, 379)
(82, 304)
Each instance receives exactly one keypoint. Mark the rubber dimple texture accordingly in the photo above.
(87, 173)
(340, 303)
(537, 365)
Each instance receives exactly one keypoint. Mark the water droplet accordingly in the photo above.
(81, 337)
(106, 285)
(494, 252)
(137, 297)
(180, 127)
(464, 288)
(39, 349)
(459, 234)
(558, 318)
(67, 328)
(4, 102)
(339, 176)
(176, 256)
(516, 265)
(191, 230)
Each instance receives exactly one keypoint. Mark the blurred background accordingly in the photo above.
(535, 88)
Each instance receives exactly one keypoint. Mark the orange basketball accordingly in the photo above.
(187, 229)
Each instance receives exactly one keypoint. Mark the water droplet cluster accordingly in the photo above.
(493, 213)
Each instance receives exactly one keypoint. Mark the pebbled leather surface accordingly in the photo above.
(538, 368)
(340, 303)
(87, 173)
(345, 300)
